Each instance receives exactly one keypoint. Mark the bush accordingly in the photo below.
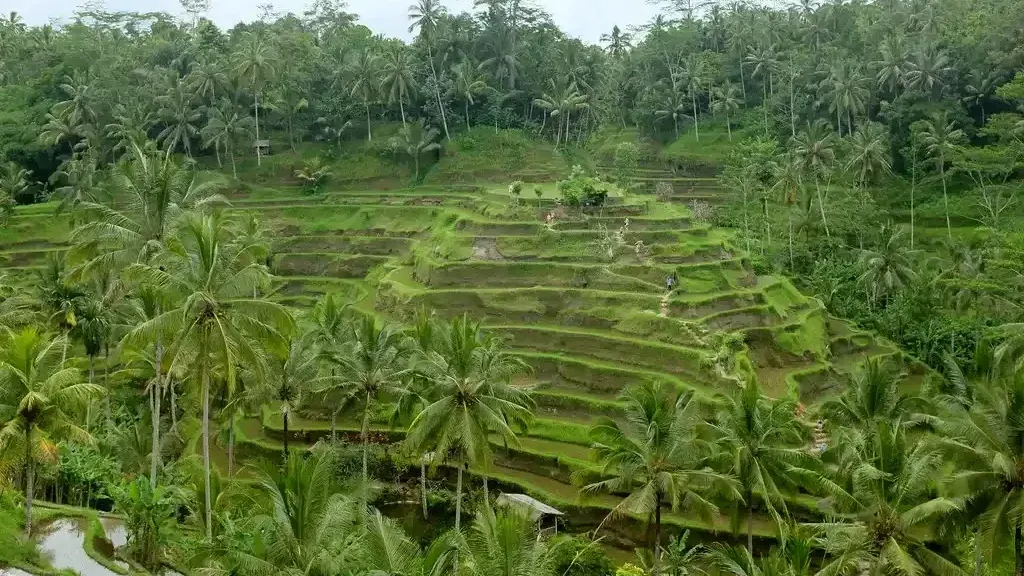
(576, 556)
(582, 190)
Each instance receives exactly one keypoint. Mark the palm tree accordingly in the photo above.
(398, 80)
(255, 65)
(419, 140)
(657, 456)
(364, 75)
(766, 447)
(204, 79)
(329, 323)
(506, 543)
(370, 371)
(79, 179)
(290, 381)
(424, 15)
(39, 399)
(869, 154)
(978, 90)
(224, 128)
(890, 269)
(927, 69)
(789, 181)
(874, 398)
(764, 62)
(129, 129)
(217, 323)
(890, 499)
(13, 185)
(673, 106)
(692, 72)
(940, 138)
(618, 43)
(891, 64)
(727, 102)
(845, 93)
(471, 372)
(79, 107)
(814, 146)
(984, 438)
(468, 84)
(504, 60)
(563, 99)
(387, 549)
(181, 116)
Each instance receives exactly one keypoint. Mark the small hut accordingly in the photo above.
(261, 148)
(535, 509)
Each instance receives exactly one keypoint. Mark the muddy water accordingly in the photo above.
(62, 542)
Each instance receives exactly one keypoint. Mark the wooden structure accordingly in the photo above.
(535, 509)
(261, 148)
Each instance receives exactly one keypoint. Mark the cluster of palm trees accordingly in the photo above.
(178, 288)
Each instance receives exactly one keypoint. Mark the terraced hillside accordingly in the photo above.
(581, 297)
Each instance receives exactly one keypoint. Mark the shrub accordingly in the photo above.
(663, 190)
(576, 556)
(630, 569)
(313, 174)
(627, 157)
(582, 190)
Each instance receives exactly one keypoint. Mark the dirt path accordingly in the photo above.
(664, 305)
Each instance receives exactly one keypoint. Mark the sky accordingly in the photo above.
(584, 19)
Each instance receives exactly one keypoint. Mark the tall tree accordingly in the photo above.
(424, 15)
(39, 401)
(940, 138)
(398, 80)
(255, 65)
(364, 77)
(224, 129)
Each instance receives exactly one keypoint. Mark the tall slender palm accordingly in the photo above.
(472, 373)
(673, 105)
(79, 183)
(216, 324)
(224, 128)
(764, 61)
(874, 397)
(39, 399)
(467, 84)
(424, 15)
(180, 116)
(561, 101)
(657, 456)
(364, 77)
(843, 89)
(205, 79)
(986, 440)
(14, 183)
(727, 102)
(255, 65)
(891, 64)
(618, 43)
(129, 128)
(692, 72)
(869, 154)
(815, 148)
(329, 322)
(927, 70)
(290, 381)
(940, 138)
(397, 78)
(370, 371)
(789, 183)
(766, 447)
(890, 268)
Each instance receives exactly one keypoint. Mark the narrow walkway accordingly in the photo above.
(664, 305)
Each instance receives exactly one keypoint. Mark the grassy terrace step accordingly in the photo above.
(385, 220)
(684, 362)
(333, 265)
(28, 257)
(354, 244)
(696, 278)
(296, 286)
(639, 224)
(591, 375)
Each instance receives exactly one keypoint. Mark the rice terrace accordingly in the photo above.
(737, 291)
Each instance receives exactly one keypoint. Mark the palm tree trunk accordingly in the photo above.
(216, 150)
(259, 154)
(437, 92)
(92, 368)
(458, 500)
(657, 534)
(821, 207)
(913, 186)
(1017, 553)
(839, 122)
(365, 439)
(468, 126)
(487, 497)
(154, 458)
(764, 105)
(30, 478)
(743, 84)
(792, 106)
(696, 127)
(206, 443)
(174, 404)
(369, 131)
(231, 445)
(750, 523)
(291, 134)
(334, 426)
(401, 107)
(234, 170)
(791, 238)
(284, 418)
(64, 348)
(423, 484)
(945, 197)
(728, 126)
(416, 161)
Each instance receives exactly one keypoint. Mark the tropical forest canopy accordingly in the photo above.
(869, 151)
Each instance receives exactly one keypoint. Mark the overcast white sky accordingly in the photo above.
(585, 19)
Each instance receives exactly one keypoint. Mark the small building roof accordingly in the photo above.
(536, 507)
(261, 143)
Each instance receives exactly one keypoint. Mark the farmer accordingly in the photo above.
(670, 282)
